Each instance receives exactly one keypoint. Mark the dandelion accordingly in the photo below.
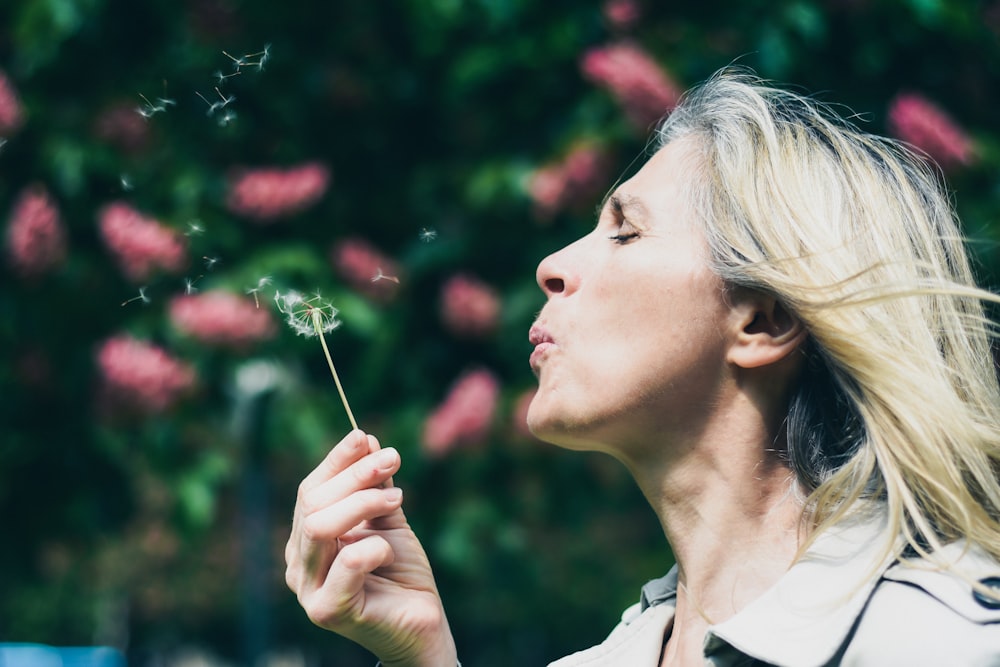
(314, 317)
(427, 235)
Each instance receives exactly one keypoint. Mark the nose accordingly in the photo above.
(555, 275)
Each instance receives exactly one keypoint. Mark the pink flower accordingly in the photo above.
(366, 268)
(11, 109)
(36, 238)
(222, 318)
(141, 245)
(642, 88)
(571, 181)
(621, 14)
(141, 376)
(469, 307)
(121, 126)
(270, 193)
(465, 415)
(918, 121)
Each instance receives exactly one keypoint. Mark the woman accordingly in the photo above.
(774, 326)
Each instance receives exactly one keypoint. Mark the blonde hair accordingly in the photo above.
(898, 398)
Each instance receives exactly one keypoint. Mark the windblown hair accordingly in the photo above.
(898, 399)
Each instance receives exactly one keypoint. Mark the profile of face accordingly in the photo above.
(632, 338)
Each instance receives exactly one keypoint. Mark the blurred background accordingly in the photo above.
(167, 166)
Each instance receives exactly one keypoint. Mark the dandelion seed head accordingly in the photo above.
(307, 317)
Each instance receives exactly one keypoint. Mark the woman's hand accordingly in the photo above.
(355, 563)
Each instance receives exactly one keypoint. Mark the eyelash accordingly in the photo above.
(622, 239)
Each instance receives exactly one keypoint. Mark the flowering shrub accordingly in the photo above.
(621, 14)
(36, 237)
(644, 90)
(271, 193)
(573, 179)
(140, 376)
(11, 109)
(915, 119)
(222, 318)
(465, 415)
(140, 245)
(366, 269)
(469, 307)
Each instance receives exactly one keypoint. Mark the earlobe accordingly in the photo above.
(765, 331)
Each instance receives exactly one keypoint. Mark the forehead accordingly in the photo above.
(661, 185)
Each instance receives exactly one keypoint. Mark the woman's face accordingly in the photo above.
(630, 346)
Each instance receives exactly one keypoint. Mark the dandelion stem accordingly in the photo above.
(329, 360)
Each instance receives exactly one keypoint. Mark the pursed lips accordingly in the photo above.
(542, 341)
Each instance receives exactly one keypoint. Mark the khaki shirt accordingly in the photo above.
(835, 606)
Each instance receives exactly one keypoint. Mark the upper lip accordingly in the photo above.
(537, 335)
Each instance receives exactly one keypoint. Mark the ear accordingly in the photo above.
(764, 330)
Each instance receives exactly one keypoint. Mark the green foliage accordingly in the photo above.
(431, 116)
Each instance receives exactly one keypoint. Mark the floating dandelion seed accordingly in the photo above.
(210, 262)
(237, 62)
(314, 317)
(189, 287)
(220, 78)
(227, 118)
(194, 228)
(126, 182)
(427, 234)
(142, 297)
(149, 109)
(262, 282)
(3, 142)
(381, 276)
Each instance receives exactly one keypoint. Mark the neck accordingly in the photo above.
(731, 511)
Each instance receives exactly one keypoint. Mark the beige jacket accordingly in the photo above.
(836, 606)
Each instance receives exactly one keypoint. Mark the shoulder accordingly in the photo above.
(922, 615)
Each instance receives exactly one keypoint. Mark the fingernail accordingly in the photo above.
(393, 494)
(385, 459)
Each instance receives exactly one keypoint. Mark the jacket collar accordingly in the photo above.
(804, 619)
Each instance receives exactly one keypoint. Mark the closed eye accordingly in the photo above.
(623, 238)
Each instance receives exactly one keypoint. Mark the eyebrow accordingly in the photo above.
(626, 205)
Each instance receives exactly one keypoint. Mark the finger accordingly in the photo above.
(333, 603)
(325, 526)
(369, 472)
(374, 446)
(352, 447)
(320, 542)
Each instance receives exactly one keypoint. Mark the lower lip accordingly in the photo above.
(540, 350)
